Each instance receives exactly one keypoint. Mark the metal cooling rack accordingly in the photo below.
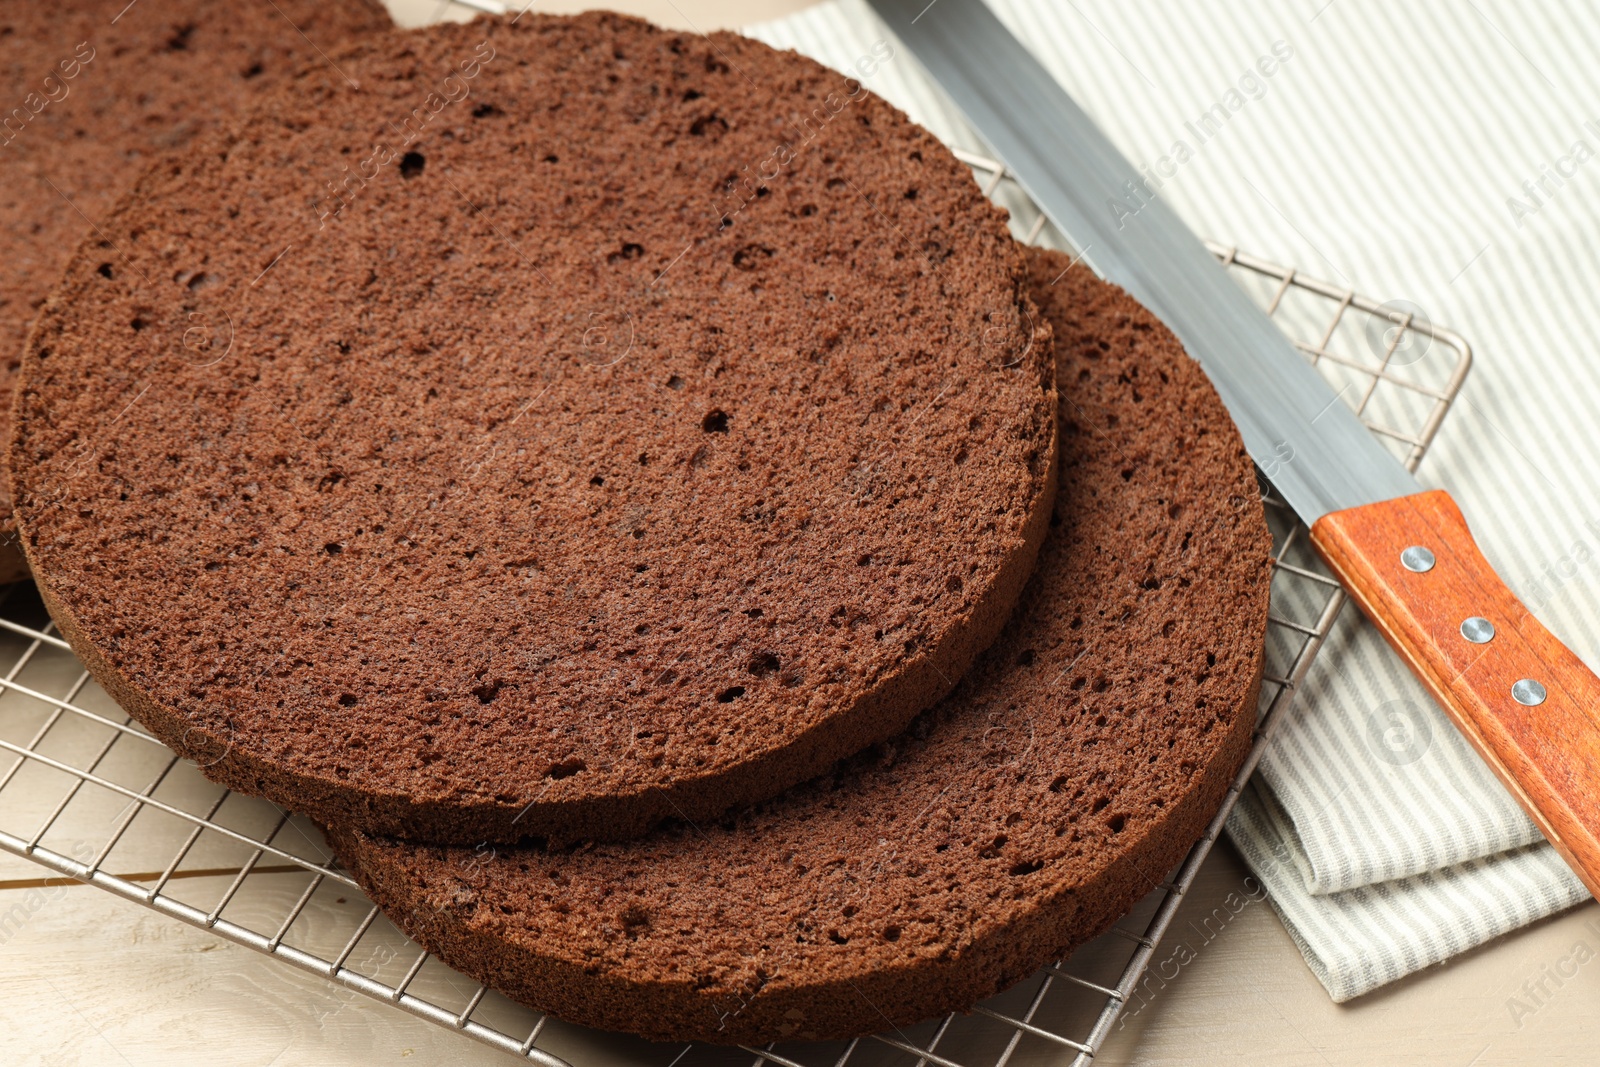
(93, 797)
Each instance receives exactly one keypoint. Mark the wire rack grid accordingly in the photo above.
(91, 796)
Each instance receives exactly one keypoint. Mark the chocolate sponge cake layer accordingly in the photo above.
(1062, 780)
(91, 91)
(463, 450)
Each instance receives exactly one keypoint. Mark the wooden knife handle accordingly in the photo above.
(1546, 751)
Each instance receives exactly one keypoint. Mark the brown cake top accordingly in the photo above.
(463, 449)
(91, 90)
(1065, 776)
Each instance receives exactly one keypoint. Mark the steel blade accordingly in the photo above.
(1315, 450)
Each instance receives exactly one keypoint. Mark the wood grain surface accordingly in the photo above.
(1547, 753)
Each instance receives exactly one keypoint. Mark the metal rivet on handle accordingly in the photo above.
(1416, 558)
(1528, 692)
(1478, 630)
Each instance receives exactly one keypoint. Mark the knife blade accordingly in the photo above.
(1406, 556)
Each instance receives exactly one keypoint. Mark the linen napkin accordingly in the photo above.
(1445, 155)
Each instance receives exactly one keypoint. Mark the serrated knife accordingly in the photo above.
(1405, 555)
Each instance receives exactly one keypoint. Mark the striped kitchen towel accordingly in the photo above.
(1435, 153)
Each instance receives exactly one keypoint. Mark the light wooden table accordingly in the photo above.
(89, 979)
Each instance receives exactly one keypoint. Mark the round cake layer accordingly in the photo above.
(1061, 781)
(91, 89)
(469, 449)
